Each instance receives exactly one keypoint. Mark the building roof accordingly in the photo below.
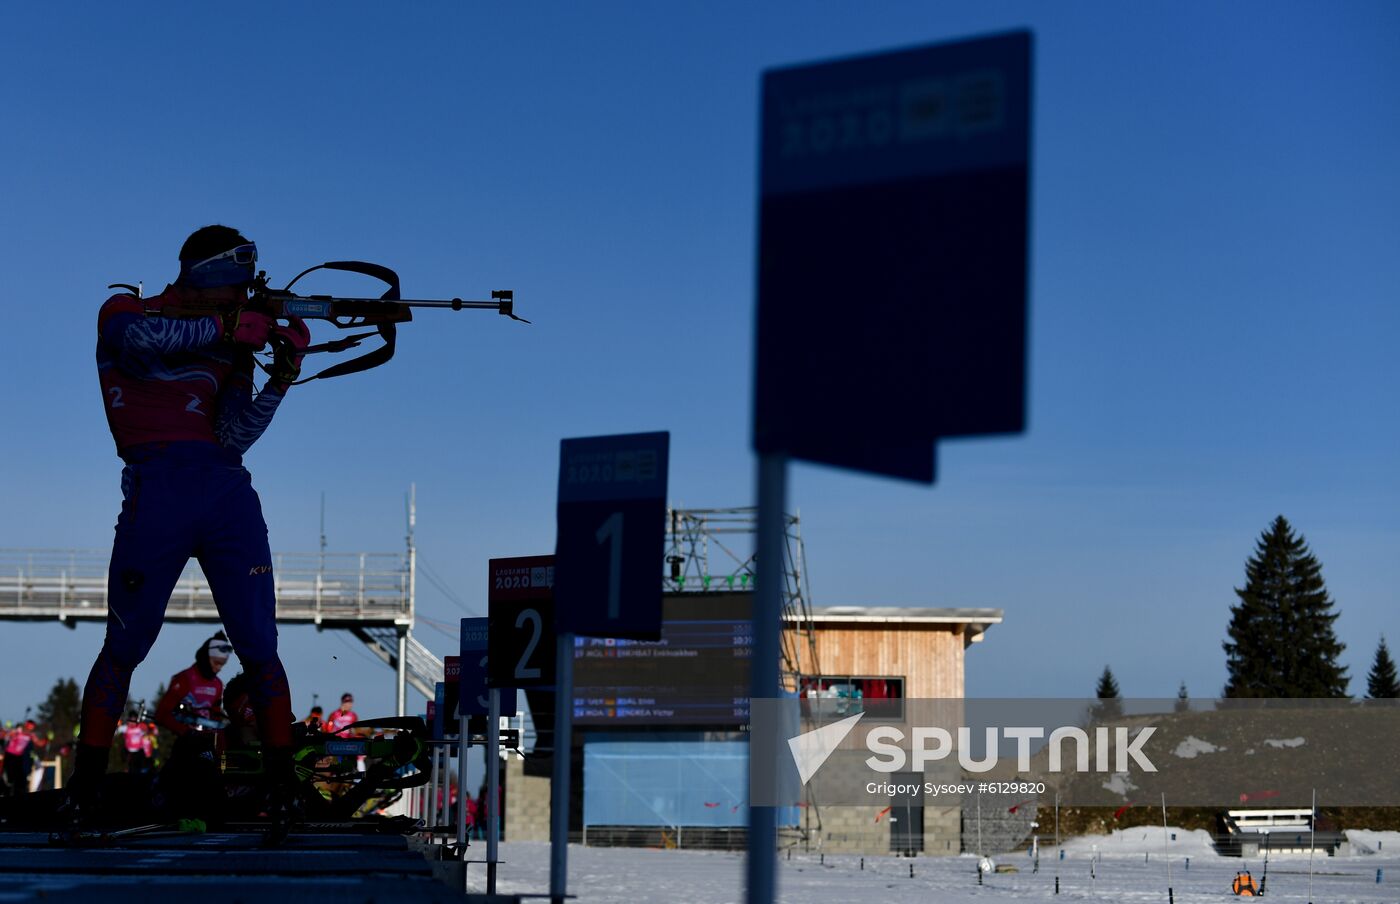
(974, 621)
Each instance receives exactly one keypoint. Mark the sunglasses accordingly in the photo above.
(228, 268)
(243, 255)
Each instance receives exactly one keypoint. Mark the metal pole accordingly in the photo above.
(1312, 845)
(563, 750)
(445, 788)
(493, 787)
(412, 592)
(464, 745)
(1167, 850)
(432, 790)
(767, 627)
(438, 794)
(401, 695)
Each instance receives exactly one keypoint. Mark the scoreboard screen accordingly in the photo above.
(697, 674)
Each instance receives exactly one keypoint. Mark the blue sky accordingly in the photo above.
(1215, 212)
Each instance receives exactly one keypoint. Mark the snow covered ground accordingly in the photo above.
(1128, 866)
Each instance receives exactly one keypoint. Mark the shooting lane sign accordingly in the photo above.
(475, 643)
(452, 689)
(472, 697)
(611, 539)
(892, 254)
(520, 612)
(439, 708)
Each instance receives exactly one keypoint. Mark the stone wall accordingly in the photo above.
(866, 830)
(527, 804)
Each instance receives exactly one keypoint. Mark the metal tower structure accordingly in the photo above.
(713, 550)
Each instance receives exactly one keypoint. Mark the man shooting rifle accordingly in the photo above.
(183, 409)
(176, 371)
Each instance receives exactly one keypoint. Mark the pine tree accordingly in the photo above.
(165, 738)
(1382, 682)
(60, 712)
(1110, 706)
(1183, 701)
(1281, 641)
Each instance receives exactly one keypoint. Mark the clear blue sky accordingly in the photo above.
(1216, 213)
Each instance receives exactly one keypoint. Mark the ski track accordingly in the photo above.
(635, 876)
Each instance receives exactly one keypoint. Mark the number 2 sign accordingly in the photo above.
(611, 540)
(521, 615)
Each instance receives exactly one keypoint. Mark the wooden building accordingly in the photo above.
(922, 647)
(866, 652)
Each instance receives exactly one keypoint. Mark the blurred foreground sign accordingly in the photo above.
(892, 254)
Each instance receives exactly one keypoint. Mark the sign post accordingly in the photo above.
(452, 678)
(493, 787)
(441, 792)
(609, 546)
(891, 285)
(429, 810)
(475, 640)
(559, 776)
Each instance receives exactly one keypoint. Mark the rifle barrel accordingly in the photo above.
(411, 302)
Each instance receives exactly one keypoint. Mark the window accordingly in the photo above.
(879, 697)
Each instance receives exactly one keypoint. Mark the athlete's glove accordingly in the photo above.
(248, 328)
(287, 344)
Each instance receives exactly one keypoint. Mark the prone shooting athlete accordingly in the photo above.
(183, 409)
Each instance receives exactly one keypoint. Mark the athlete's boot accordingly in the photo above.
(77, 816)
(284, 806)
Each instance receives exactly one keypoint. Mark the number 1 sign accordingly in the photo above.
(611, 540)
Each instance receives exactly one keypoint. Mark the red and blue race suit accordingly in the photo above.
(19, 749)
(182, 409)
(133, 734)
(136, 737)
(191, 702)
(341, 719)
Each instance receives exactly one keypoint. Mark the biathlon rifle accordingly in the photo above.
(384, 313)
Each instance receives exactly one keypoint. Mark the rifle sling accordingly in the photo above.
(374, 358)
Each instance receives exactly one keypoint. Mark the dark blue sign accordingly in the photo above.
(611, 537)
(347, 748)
(892, 254)
(475, 642)
(439, 711)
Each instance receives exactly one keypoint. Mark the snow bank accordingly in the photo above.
(1379, 844)
(1143, 840)
(627, 876)
(1193, 747)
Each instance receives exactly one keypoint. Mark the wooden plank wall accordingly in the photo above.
(928, 657)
